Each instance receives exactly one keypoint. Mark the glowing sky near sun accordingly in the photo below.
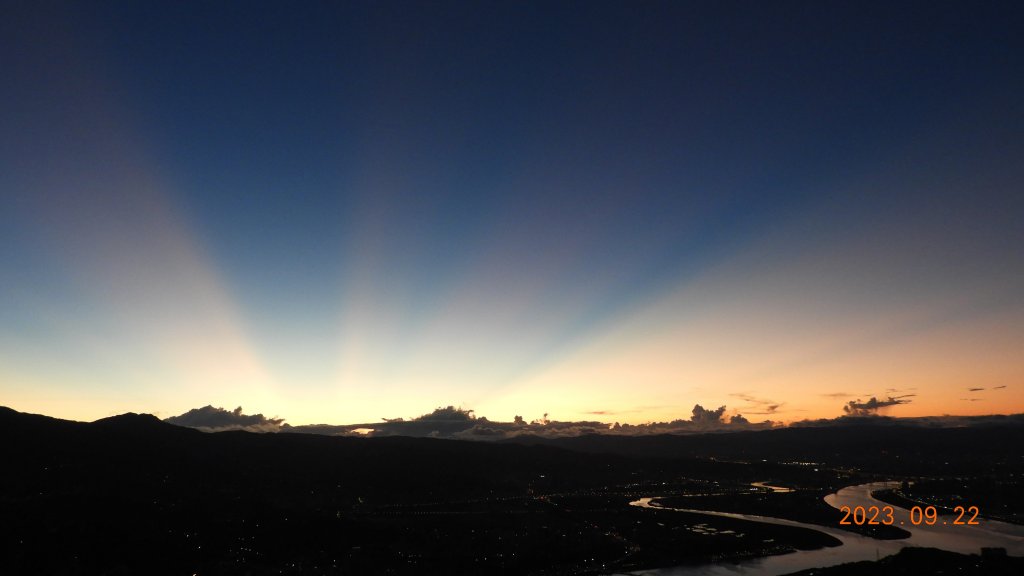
(593, 210)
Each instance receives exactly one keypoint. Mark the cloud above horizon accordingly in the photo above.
(760, 406)
(873, 405)
(458, 423)
(211, 419)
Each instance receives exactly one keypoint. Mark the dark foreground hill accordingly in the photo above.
(340, 471)
(133, 495)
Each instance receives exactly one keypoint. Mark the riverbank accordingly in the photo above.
(807, 506)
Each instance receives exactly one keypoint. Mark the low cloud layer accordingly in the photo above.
(459, 423)
(212, 419)
(701, 420)
(918, 421)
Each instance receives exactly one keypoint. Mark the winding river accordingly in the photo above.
(963, 539)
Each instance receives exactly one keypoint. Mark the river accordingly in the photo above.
(963, 539)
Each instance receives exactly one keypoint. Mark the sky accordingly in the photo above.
(343, 211)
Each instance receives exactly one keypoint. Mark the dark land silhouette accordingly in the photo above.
(134, 495)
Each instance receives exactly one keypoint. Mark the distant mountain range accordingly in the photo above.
(905, 446)
(457, 423)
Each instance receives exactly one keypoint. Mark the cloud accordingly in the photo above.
(460, 423)
(487, 430)
(701, 420)
(212, 419)
(919, 421)
(447, 414)
(738, 419)
(975, 389)
(610, 412)
(442, 422)
(999, 387)
(761, 406)
(872, 406)
(703, 417)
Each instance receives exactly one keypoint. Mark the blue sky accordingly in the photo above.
(338, 212)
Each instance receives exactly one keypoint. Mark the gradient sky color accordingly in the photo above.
(337, 212)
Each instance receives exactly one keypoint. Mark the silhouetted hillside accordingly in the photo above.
(144, 442)
(132, 422)
(131, 494)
